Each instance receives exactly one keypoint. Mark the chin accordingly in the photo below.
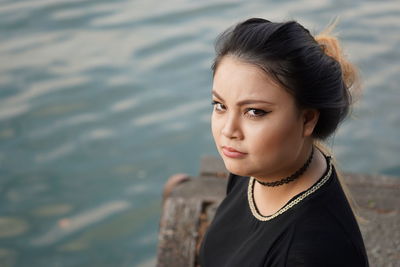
(236, 168)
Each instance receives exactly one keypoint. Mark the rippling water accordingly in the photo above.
(101, 101)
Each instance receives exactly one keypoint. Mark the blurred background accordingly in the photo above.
(101, 101)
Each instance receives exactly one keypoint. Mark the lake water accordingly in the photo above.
(101, 101)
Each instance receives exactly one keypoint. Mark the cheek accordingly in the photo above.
(214, 127)
(274, 136)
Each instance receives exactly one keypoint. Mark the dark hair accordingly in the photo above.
(290, 54)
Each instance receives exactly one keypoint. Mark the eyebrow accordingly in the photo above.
(243, 102)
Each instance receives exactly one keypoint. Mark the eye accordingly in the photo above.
(250, 112)
(217, 105)
(255, 113)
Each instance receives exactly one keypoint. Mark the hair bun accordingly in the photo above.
(331, 47)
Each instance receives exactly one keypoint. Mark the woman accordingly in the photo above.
(278, 92)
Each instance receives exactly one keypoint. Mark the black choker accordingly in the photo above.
(291, 177)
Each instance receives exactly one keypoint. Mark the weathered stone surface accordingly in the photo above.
(378, 198)
(186, 215)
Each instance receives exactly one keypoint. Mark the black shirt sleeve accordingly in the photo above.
(322, 245)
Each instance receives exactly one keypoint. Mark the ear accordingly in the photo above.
(310, 119)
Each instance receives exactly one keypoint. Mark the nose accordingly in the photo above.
(231, 128)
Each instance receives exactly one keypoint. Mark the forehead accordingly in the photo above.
(238, 79)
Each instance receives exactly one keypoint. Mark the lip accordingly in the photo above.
(232, 153)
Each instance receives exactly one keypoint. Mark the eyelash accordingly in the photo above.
(213, 103)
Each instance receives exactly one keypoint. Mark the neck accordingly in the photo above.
(293, 176)
(301, 156)
(280, 194)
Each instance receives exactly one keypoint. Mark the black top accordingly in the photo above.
(320, 230)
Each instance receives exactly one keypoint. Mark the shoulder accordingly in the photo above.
(321, 246)
(233, 181)
(232, 178)
(321, 239)
(322, 250)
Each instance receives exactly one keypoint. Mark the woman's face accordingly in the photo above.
(255, 116)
